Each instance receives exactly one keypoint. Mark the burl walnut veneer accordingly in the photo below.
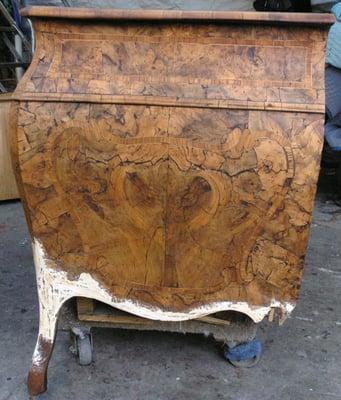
(167, 160)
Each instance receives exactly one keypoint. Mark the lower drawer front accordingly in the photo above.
(172, 206)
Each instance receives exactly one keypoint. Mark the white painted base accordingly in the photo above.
(54, 288)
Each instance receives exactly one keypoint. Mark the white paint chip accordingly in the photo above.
(54, 288)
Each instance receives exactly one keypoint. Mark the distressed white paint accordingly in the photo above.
(54, 288)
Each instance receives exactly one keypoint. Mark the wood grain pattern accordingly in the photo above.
(8, 185)
(168, 168)
(156, 202)
(167, 204)
(172, 64)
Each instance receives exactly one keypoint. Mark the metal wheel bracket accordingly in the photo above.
(82, 345)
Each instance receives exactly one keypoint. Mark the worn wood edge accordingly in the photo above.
(49, 274)
(143, 14)
(12, 196)
(8, 185)
(169, 101)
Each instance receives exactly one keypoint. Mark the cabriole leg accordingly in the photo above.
(51, 299)
(37, 377)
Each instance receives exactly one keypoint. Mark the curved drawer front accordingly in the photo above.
(248, 66)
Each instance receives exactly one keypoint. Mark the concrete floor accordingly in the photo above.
(301, 361)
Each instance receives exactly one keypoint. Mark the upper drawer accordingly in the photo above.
(224, 65)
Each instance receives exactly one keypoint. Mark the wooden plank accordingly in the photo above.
(87, 310)
(271, 315)
(119, 319)
(214, 321)
(132, 14)
(85, 305)
(114, 319)
(8, 186)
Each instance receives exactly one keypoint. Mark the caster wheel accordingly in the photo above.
(84, 349)
(244, 355)
(82, 346)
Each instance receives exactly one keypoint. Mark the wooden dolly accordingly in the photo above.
(80, 317)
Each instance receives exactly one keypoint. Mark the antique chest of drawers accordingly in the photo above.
(167, 161)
